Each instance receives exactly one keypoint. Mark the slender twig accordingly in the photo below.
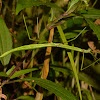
(20, 63)
(92, 93)
(45, 70)
(17, 66)
(2, 95)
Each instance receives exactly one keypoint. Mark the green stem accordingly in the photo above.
(94, 3)
(75, 73)
(71, 59)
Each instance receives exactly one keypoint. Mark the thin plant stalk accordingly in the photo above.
(71, 59)
(45, 69)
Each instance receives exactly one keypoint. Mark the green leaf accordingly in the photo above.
(21, 4)
(73, 5)
(37, 46)
(94, 27)
(70, 35)
(88, 79)
(75, 73)
(3, 74)
(22, 72)
(86, 2)
(64, 70)
(91, 13)
(5, 42)
(82, 76)
(10, 70)
(58, 90)
(26, 97)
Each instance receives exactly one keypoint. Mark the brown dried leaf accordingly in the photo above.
(97, 22)
(91, 45)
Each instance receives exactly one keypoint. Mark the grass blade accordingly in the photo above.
(53, 87)
(21, 72)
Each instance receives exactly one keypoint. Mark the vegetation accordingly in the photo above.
(49, 50)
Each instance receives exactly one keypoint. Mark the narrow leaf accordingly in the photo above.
(37, 46)
(26, 97)
(75, 73)
(94, 27)
(73, 5)
(53, 87)
(5, 42)
(82, 76)
(90, 80)
(22, 72)
(10, 70)
(3, 74)
(86, 2)
(91, 13)
(64, 70)
(21, 4)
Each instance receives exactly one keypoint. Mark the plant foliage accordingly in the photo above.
(50, 49)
